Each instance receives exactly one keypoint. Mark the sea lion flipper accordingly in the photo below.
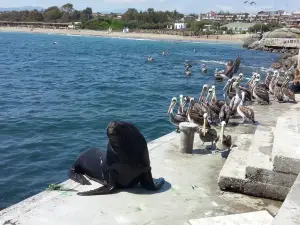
(151, 184)
(77, 177)
(107, 189)
(159, 182)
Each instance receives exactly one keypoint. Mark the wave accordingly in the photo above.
(131, 38)
(74, 35)
(214, 61)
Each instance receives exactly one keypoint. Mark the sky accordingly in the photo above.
(184, 6)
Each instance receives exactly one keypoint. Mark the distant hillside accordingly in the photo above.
(21, 8)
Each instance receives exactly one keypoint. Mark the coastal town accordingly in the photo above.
(66, 17)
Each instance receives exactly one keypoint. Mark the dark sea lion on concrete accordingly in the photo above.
(124, 164)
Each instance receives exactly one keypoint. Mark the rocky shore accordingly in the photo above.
(288, 56)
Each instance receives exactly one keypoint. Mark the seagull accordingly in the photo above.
(251, 3)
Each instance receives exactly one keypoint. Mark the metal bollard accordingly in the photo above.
(187, 131)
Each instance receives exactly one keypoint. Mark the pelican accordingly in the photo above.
(194, 116)
(268, 79)
(278, 92)
(175, 119)
(218, 75)
(226, 89)
(290, 95)
(261, 85)
(261, 95)
(223, 142)
(225, 113)
(188, 73)
(219, 103)
(203, 69)
(212, 115)
(182, 103)
(207, 135)
(204, 90)
(235, 101)
(245, 112)
(273, 82)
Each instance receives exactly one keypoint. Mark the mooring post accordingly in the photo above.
(187, 131)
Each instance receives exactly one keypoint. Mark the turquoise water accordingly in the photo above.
(56, 100)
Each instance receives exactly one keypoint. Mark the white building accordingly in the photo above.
(178, 26)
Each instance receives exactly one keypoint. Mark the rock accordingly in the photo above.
(250, 40)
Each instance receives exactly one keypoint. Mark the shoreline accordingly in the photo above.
(233, 39)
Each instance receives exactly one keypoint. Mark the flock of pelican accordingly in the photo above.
(208, 111)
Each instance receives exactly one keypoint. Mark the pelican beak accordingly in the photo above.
(226, 85)
(170, 107)
(207, 97)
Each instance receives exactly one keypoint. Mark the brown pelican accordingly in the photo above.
(273, 82)
(193, 116)
(223, 142)
(207, 135)
(218, 75)
(175, 119)
(212, 115)
(225, 113)
(204, 90)
(261, 85)
(229, 94)
(214, 100)
(235, 101)
(188, 72)
(245, 112)
(290, 95)
(261, 95)
(278, 92)
(182, 103)
(180, 108)
(203, 69)
(268, 79)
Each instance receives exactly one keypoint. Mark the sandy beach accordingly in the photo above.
(212, 38)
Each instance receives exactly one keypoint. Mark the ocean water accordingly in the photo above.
(56, 100)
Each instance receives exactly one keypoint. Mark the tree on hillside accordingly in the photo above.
(53, 13)
(130, 14)
(67, 8)
(75, 15)
(86, 14)
(35, 15)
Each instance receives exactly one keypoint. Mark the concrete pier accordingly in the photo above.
(192, 189)
(190, 192)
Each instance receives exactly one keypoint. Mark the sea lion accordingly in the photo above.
(124, 164)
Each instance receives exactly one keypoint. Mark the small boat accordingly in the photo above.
(150, 59)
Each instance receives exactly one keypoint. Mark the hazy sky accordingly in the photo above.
(185, 6)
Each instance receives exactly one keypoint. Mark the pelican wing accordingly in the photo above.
(247, 92)
(263, 94)
(278, 93)
(179, 118)
(287, 92)
(249, 113)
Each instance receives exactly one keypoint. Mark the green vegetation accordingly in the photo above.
(264, 27)
(133, 19)
(149, 19)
